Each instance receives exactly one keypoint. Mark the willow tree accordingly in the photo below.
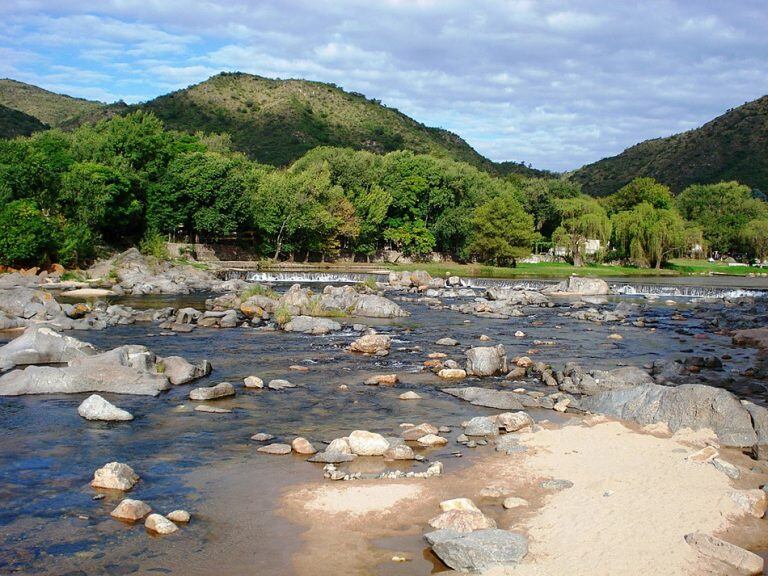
(581, 219)
(649, 235)
(755, 235)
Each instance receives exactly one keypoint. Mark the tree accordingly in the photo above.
(539, 199)
(27, 234)
(411, 238)
(722, 210)
(755, 234)
(648, 235)
(503, 231)
(581, 219)
(638, 191)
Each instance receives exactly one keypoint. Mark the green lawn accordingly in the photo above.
(543, 269)
(686, 267)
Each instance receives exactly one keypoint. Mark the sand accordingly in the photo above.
(634, 498)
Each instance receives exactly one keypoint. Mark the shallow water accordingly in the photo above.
(207, 464)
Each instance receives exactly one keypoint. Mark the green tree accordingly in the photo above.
(755, 235)
(540, 195)
(503, 231)
(638, 191)
(411, 238)
(648, 235)
(581, 219)
(27, 234)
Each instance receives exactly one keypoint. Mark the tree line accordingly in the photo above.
(127, 180)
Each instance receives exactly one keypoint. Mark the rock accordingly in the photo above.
(115, 476)
(364, 443)
(693, 406)
(275, 449)
(42, 345)
(131, 510)
(754, 502)
(754, 337)
(97, 408)
(409, 396)
(179, 516)
(253, 382)
(513, 502)
(479, 550)
(434, 469)
(482, 426)
(501, 399)
(371, 344)
(302, 446)
(311, 325)
(374, 306)
(726, 468)
(583, 286)
(452, 373)
(462, 521)
(461, 504)
(262, 437)
(212, 409)
(523, 362)
(517, 373)
(432, 440)
(416, 432)
(382, 380)
(331, 458)
(624, 377)
(221, 390)
(514, 421)
(556, 484)
(339, 446)
(706, 454)
(180, 371)
(159, 524)
(280, 384)
(725, 554)
(399, 452)
(759, 416)
(125, 370)
(447, 342)
(486, 360)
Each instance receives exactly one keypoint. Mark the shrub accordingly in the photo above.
(282, 315)
(154, 245)
(27, 237)
(258, 290)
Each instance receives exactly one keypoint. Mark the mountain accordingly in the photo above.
(733, 146)
(14, 123)
(48, 107)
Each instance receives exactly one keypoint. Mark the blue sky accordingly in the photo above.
(554, 83)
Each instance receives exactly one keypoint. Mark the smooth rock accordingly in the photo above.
(462, 521)
(486, 360)
(364, 443)
(410, 395)
(253, 382)
(160, 524)
(481, 550)
(115, 476)
(302, 446)
(724, 553)
(280, 384)
(97, 408)
(131, 510)
(179, 516)
(221, 390)
(275, 449)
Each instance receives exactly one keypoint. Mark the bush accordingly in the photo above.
(258, 290)
(282, 315)
(27, 237)
(75, 243)
(154, 245)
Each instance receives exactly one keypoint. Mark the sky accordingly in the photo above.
(557, 84)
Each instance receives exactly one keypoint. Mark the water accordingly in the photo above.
(206, 463)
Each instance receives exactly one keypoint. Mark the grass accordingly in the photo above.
(540, 270)
(74, 275)
(259, 290)
(282, 315)
(697, 267)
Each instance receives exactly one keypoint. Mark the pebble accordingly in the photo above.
(513, 502)
(279, 384)
(275, 449)
(178, 516)
(160, 524)
(262, 437)
(409, 396)
(253, 382)
(303, 446)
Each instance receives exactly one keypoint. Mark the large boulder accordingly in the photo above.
(372, 344)
(311, 325)
(115, 476)
(501, 399)
(42, 345)
(516, 297)
(341, 298)
(364, 443)
(687, 406)
(486, 360)
(125, 370)
(180, 371)
(374, 306)
(582, 286)
(97, 408)
(28, 303)
(479, 550)
(297, 300)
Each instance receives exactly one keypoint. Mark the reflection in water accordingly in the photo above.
(206, 462)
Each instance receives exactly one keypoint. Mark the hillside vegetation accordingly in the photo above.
(733, 146)
(15, 123)
(48, 107)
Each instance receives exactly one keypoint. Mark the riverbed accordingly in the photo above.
(207, 464)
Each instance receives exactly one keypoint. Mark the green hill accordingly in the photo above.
(733, 146)
(14, 123)
(48, 107)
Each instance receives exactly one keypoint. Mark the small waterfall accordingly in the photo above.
(516, 284)
(685, 291)
(311, 277)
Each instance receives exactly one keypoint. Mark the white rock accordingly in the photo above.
(97, 408)
(253, 382)
(364, 443)
(115, 476)
(160, 524)
(178, 516)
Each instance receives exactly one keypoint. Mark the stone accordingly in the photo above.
(410, 395)
(115, 476)
(432, 440)
(753, 502)
(447, 342)
(416, 432)
(382, 380)
(481, 426)
(556, 484)
(514, 421)
(131, 510)
(212, 409)
(486, 360)
(462, 521)
(479, 550)
(311, 325)
(374, 306)
(434, 469)
(583, 286)
(179, 516)
(706, 454)
(399, 452)
(726, 468)
(253, 382)
(160, 524)
(452, 373)
(42, 345)
(364, 443)
(331, 457)
(517, 373)
(262, 437)
(302, 446)
(275, 449)
(371, 344)
(500, 399)
(280, 384)
(463, 504)
(97, 408)
(298, 368)
(519, 334)
(221, 390)
(180, 371)
(753, 337)
(724, 553)
(339, 446)
(513, 502)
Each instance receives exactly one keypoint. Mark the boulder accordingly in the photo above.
(180, 371)
(179, 516)
(486, 360)
(416, 432)
(583, 286)
(275, 449)
(514, 421)
(364, 443)
(130, 510)
(253, 382)
(462, 521)
(759, 416)
(399, 452)
(371, 344)
(311, 325)
(753, 337)
(28, 303)
(97, 408)
(501, 399)
(125, 370)
(115, 476)
(726, 555)
(693, 406)
(452, 373)
(482, 426)
(374, 306)
(479, 550)
(160, 524)
(221, 390)
(42, 345)
(302, 446)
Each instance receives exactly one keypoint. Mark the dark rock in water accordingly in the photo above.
(501, 399)
(479, 550)
(689, 405)
(221, 390)
(180, 371)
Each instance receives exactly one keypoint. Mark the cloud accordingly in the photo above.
(554, 83)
